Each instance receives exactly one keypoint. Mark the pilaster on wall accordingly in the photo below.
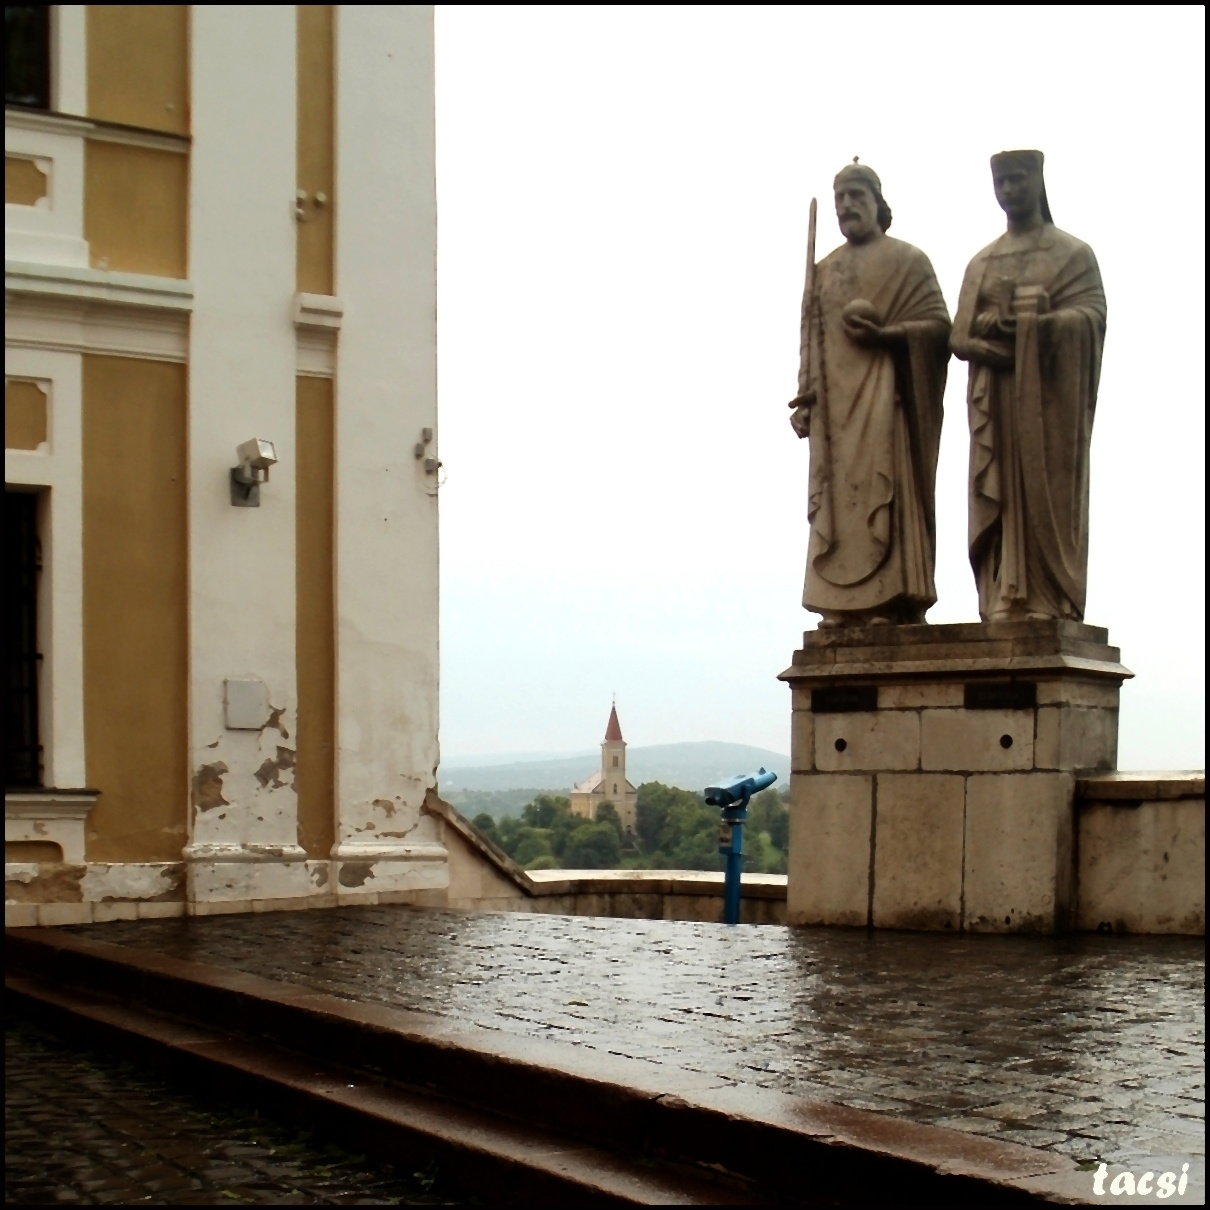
(386, 396)
(243, 841)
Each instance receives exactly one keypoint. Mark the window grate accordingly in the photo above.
(27, 55)
(23, 556)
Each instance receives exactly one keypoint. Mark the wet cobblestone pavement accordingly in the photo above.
(1091, 1046)
(83, 1130)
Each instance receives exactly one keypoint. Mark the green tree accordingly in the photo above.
(608, 813)
(487, 825)
(761, 856)
(508, 831)
(534, 843)
(545, 808)
(676, 829)
(565, 823)
(593, 846)
(767, 813)
(655, 802)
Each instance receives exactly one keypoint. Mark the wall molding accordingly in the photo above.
(68, 309)
(49, 122)
(317, 320)
(76, 310)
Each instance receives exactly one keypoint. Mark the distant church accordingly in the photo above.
(609, 783)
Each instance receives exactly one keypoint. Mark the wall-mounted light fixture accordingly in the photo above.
(420, 450)
(255, 459)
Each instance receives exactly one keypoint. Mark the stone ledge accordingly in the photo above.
(497, 858)
(875, 653)
(652, 882)
(1147, 786)
(72, 283)
(957, 632)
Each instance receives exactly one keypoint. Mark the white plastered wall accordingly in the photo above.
(51, 231)
(69, 67)
(243, 842)
(386, 393)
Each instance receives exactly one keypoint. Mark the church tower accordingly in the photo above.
(613, 761)
(610, 784)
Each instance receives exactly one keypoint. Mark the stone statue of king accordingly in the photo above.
(875, 334)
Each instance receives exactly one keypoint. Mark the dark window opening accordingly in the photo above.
(27, 55)
(615, 762)
(23, 556)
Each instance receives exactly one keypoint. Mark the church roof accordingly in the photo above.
(596, 784)
(613, 732)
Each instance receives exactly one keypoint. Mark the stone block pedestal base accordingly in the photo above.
(933, 772)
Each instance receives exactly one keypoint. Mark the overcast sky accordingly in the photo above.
(622, 199)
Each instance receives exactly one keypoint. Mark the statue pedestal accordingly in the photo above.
(933, 772)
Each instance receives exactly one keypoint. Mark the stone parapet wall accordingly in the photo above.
(1139, 868)
(1141, 845)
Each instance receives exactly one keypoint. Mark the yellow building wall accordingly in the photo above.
(136, 199)
(25, 422)
(138, 65)
(25, 184)
(316, 147)
(136, 202)
(135, 607)
(315, 619)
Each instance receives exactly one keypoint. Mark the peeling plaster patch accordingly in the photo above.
(386, 806)
(267, 774)
(275, 716)
(355, 873)
(133, 880)
(214, 745)
(54, 883)
(20, 871)
(319, 875)
(208, 787)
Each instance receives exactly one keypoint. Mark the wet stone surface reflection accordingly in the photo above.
(1091, 1046)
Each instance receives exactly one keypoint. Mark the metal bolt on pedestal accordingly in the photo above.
(732, 799)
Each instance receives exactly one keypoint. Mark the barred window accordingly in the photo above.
(23, 557)
(27, 55)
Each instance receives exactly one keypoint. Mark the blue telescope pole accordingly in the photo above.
(732, 798)
(734, 866)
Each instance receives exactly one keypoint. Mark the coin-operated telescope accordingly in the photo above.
(732, 800)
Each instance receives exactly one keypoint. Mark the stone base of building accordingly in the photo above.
(59, 893)
(934, 772)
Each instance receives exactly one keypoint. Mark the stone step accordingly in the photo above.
(522, 1119)
(481, 1153)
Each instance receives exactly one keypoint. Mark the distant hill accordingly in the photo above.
(689, 766)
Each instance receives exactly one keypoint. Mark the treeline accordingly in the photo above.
(496, 803)
(675, 831)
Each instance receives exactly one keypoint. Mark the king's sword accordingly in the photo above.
(808, 290)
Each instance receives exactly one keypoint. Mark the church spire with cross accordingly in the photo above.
(613, 730)
(610, 784)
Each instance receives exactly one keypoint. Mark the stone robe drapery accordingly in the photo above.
(875, 431)
(1031, 426)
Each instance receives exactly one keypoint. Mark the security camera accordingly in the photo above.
(255, 459)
